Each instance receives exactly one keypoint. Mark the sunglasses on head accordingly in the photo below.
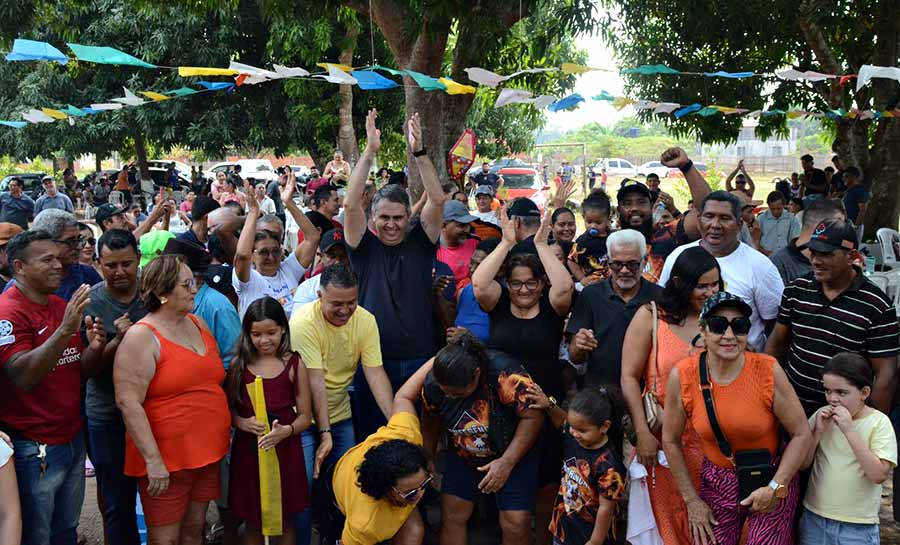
(410, 495)
(740, 326)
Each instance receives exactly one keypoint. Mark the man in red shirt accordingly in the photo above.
(43, 359)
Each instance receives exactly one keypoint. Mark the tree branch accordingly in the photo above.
(816, 41)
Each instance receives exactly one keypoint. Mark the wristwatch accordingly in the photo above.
(781, 491)
(552, 403)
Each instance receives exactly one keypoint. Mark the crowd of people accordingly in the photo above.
(720, 375)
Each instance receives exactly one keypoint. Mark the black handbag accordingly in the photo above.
(753, 467)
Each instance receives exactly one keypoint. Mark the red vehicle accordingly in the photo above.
(522, 182)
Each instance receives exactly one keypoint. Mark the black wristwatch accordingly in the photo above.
(421, 152)
(686, 167)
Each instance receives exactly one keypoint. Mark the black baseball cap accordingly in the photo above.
(832, 235)
(634, 186)
(523, 206)
(332, 238)
(108, 210)
(196, 257)
(724, 299)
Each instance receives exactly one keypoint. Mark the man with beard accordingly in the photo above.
(7, 231)
(117, 302)
(332, 249)
(635, 208)
(747, 273)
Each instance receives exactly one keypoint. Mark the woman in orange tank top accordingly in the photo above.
(752, 399)
(695, 277)
(168, 377)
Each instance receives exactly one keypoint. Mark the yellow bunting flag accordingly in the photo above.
(794, 114)
(454, 88)
(187, 71)
(155, 96)
(269, 471)
(569, 68)
(55, 114)
(342, 67)
(621, 102)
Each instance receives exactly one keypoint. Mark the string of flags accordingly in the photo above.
(369, 79)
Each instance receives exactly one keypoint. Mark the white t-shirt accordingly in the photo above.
(751, 276)
(266, 206)
(280, 287)
(307, 292)
(488, 217)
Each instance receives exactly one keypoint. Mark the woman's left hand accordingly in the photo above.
(761, 500)
(543, 232)
(536, 397)
(497, 473)
(278, 434)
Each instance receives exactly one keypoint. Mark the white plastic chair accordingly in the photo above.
(117, 198)
(889, 240)
(880, 280)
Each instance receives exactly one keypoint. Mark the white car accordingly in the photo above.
(616, 167)
(261, 169)
(300, 171)
(653, 167)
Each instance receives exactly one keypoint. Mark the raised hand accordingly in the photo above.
(674, 157)
(508, 227)
(373, 135)
(96, 333)
(74, 310)
(414, 133)
(290, 187)
(250, 196)
(543, 232)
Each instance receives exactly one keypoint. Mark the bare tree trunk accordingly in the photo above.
(140, 152)
(98, 162)
(346, 134)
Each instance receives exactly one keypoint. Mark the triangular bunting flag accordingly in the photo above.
(14, 124)
(454, 88)
(372, 81)
(188, 71)
(130, 99)
(566, 102)
(330, 65)
(336, 75)
(288, 72)
(106, 55)
(30, 50)
(36, 116)
(156, 97)
(484, 77)
(426, 82)
(650, 69)
(182, 91)
(681, 112)
(512, 96)
(55, 114)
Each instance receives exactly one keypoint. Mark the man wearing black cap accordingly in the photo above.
(110, 216)
(635, 205)
(834, 310)
(218, 312)
(332, 249)
(527, 218)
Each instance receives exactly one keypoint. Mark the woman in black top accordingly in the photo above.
(527, 317)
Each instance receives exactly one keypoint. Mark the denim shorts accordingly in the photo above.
(817, 530)
(518, 494)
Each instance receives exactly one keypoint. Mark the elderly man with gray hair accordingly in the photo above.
(604, 309)
(63, 227)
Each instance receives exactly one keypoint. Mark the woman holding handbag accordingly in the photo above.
(660, 335)
(737, 402)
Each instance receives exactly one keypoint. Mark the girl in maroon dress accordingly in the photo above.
(264, 351)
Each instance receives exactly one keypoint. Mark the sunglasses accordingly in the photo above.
(740, 326)
(77, 242)
(633, 266)
(410, 495)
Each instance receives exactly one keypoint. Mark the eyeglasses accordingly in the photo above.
(273, 253)
(633, 266)
(740, 326)
(188, 284)
(77, 242)
(409, 495)
(517, 285)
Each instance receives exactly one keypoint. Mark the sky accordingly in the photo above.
(590, 84)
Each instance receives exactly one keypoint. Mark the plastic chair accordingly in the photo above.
(889, 240)
(117, 198)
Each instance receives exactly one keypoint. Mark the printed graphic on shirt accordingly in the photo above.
(6, 336)
(71, 354)
(470, 433)
(512, 387)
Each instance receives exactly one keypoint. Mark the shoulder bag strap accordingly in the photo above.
(654, 313)
(706, 390)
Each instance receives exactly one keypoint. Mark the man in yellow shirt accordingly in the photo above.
(378, 483)
(333, 335)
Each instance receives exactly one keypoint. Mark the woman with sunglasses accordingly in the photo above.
(478, 399)
(87, 254)
(377, 484)
(746, 398)
(648, 357)
(527, 316)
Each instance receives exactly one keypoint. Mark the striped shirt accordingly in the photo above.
(861, 319)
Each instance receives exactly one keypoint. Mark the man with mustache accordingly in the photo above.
(635, 206)
(747, 273)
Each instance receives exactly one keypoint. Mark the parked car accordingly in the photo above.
(501, 164)
(615, 167)
(30, 180)
(522, 182)
(261, 169)
(653, 167)
(159, 177)
(300, 171)
(675, 173)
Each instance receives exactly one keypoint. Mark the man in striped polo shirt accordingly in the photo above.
(835, 309)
